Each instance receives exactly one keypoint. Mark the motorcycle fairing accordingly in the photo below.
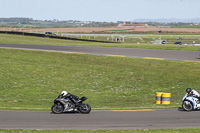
(190, 99)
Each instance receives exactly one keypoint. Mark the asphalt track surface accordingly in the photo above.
(158, 119)
(127, 52)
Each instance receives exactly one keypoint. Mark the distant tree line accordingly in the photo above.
(29, 22)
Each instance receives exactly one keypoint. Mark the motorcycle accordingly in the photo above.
(66, 105)
(190, 103)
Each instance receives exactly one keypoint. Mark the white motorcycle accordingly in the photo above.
(190, 103)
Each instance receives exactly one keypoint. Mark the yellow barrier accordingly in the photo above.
(166, 98)
(159, 97)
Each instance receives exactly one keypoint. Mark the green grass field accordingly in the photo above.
(143, 39)
(133, 42)
(31, 80)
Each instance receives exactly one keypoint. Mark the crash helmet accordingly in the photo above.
(188, 90)
(64, 93)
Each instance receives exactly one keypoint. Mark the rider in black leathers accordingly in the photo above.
(73, 98)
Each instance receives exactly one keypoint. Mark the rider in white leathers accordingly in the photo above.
(193, 93)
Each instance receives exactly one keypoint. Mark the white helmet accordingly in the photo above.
(63, 93)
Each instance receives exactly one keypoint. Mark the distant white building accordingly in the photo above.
(134, 25)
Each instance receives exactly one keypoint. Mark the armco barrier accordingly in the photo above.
(52, 36)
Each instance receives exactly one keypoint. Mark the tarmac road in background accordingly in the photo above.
(128, 52)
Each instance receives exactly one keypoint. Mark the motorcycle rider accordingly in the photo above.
(66, 95)
(193, 93)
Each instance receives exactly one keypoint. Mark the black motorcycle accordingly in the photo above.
(67, 105)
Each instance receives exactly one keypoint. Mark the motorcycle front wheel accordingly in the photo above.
(85, 108)
(57, 108)
(187, 106)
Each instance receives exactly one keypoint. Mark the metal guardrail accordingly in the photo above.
(52, 36)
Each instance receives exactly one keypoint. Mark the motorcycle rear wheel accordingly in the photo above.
(85, 108)
(57, 108)
(187, 106)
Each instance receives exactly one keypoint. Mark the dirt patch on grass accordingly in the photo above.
(110, 30)
(125, 30)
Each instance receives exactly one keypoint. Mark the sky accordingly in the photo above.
(100, 10)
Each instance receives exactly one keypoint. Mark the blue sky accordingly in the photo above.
(100, 10)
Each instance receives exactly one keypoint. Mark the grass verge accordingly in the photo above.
(31, 80)
(20, 39)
